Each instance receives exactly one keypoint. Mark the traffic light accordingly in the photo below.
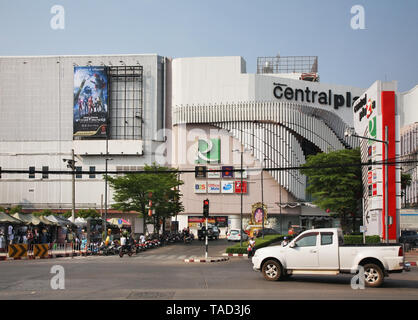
(206, 208)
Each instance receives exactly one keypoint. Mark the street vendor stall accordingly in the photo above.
(8, 225)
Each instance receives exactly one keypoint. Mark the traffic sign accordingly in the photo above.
(40, 250)
(18, 250)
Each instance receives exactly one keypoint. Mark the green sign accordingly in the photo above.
(209, 151)
(372, 129)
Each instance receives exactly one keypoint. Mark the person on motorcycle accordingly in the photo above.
(123, 240)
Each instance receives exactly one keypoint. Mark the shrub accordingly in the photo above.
(259, 243)
(355, 239)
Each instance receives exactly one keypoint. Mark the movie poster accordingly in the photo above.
(90, 101)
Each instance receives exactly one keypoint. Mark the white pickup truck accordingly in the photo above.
(322, 252)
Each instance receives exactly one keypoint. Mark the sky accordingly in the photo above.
(385, 49)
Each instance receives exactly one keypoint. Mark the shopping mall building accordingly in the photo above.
(206, 116)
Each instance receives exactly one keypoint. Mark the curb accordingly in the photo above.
(50, 256)
(206, 260)
(235, 255)
(412, 264)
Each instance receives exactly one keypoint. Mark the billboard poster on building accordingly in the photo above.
(90, 102)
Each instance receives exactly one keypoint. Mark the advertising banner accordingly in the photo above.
(200, 172)
(197, 221)
(227, 172)
(227, 187)
(90, 104)
(239, 188)
(200, 187)
(214, 187)
(374, 111)
(244, 174)
(212, 174)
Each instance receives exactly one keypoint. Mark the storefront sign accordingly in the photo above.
(227, 172)
(213, 174)
(214, 187)
(281, 91)
(227, 187)
(200, 172)
(197, 221)
(200, 187)
(239, 188)
(209, 150)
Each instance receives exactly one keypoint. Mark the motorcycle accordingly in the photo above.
(188, 239)
(127, 249)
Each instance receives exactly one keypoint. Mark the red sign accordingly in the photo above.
(370, 177)
(238, 188)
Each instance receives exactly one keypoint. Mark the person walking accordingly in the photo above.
(251, 247)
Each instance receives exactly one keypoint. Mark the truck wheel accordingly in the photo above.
(373, 275)
(272, 270)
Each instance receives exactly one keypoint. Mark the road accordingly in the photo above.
(161, 273)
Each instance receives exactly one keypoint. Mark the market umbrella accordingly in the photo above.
(118, 221)
(80, 222)
(5, 218)
(27, 218)
(44, 220)
(55, 220)
(66, 221)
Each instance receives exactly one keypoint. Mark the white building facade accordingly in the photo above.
(38, 105)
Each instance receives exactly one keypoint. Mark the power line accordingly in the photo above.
(328, 166)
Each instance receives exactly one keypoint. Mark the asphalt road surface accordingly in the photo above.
(161, 273)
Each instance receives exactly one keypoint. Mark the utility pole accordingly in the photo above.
(73, 185)
(71, 165)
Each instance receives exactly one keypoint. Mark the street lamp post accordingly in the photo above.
(105, 217)
(349, 133)
(262, 194)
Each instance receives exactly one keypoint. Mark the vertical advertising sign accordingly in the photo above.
(90, 104)
(374, 111)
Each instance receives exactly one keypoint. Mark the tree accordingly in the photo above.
(339, 187)
(45, 212)
(133, 192)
